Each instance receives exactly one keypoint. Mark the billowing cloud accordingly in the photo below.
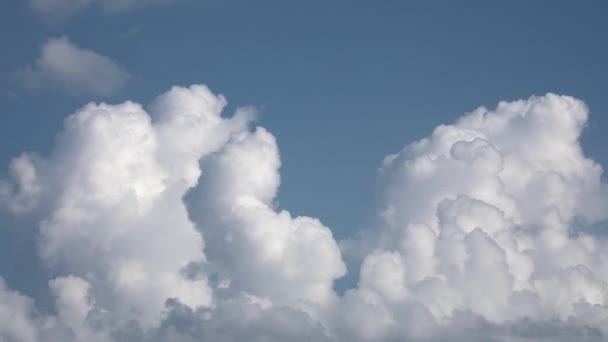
(61, 9)
(65, 66)
(478, 218)
(160, 224)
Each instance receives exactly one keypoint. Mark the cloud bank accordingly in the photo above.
(160, 224)
(63, 65)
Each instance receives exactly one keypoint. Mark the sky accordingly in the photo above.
(372, 170)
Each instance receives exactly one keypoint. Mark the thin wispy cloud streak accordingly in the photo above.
(60, 10)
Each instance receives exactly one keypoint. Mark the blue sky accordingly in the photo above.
(341, 85)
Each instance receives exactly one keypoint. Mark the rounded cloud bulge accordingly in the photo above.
(161, 224)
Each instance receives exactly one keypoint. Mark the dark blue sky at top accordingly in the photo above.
(340, 83)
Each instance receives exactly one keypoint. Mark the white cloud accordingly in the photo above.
(61, 9)
(63, 65)
(477, 218)
(16, 316)
(161, 225)
(110, 203)
(262, 252)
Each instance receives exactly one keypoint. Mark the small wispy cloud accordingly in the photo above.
(61, 9)
(58, 9)
(76, 70)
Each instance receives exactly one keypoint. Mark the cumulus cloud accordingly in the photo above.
(288, 259)
(65, 66)
(61, 9)
(160, 224)
(16, 316)
(477, 218)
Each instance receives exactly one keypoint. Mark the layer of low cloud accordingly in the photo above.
(61, 9)
(160, 224)
(63, 65)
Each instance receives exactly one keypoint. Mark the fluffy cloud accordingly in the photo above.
(16, 316)
(257, 250)
(110, 208)
(65, 66)
(60, 9)
(477, 218)
(161, 225)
